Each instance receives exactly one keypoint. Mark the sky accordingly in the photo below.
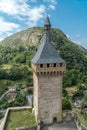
(70, 16)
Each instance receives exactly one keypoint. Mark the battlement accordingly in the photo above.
(52, 69)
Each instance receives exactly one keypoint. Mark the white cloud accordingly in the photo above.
(22, 12)
(6, 28)
(52, 7)
(14, 7)
(51, 4)
(51, 1)
(35, 15)
(68, 36)
(80, 41)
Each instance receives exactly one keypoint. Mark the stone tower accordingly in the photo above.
(48, 70)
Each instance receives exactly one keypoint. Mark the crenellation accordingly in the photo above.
(52, 73)
(37, 68)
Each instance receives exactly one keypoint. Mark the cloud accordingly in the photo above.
(52, 7)
(14, 7)
(51, 4)
(35, 15)
(6, 28)
(51, 1)
(21, 11)
(68, 36)
(80, 41)
(7, 25)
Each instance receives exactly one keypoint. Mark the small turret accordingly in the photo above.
(47, 25)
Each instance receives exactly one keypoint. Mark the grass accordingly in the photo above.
(6, 66)
(81, 116)
(4, 85)
(20, 118)
(83, 119)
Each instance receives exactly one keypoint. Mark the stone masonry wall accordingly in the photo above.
(25, 128)
(49, 98)
(35, 92)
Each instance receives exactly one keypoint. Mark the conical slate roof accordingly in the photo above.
(47, 53)
(47, 21)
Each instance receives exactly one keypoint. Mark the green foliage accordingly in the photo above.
(64, 92)
(29, 92)
(84, 101)
(17, 74)
(3, 86)
(4, 102)
(1, 115)
(19, 101)
(20, 58)
(78, 93)
(66, 105)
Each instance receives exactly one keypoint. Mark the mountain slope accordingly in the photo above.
(26, 37)
(20, 48)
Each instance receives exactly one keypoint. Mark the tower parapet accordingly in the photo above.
(45, 69)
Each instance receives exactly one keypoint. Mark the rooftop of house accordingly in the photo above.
(12, 94)
(12, 87)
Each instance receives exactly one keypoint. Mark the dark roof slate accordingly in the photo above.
(47, 53)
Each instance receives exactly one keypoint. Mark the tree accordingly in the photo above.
(64, 92)
(66, 105)
(84, 102)
(20, 99)
(78, 93)
(1, 115)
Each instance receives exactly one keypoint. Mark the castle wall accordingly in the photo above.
(35, 92)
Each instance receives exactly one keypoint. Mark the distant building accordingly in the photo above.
(12, 88)
(12, 95)
(71, 90)
(48, 70)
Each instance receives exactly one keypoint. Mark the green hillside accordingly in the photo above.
(17, 50)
